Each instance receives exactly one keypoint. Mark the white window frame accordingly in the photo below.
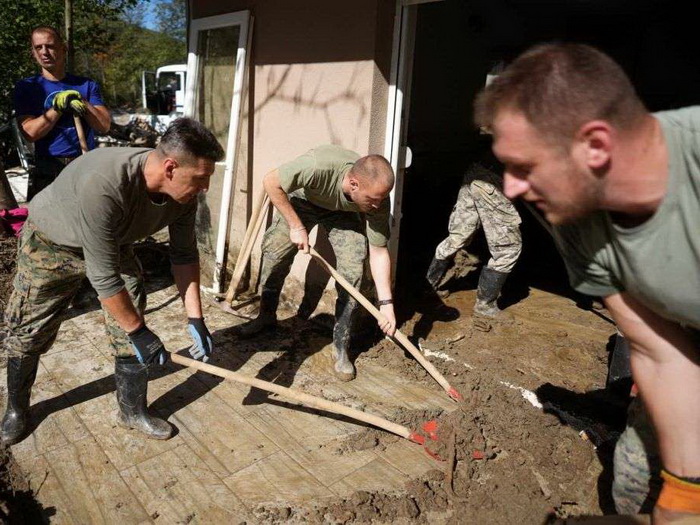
(397, 113)
(398, 105)
(242, 19)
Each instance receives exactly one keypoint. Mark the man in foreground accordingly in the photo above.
(45, 105)
(85, 223)
(336, 188)
(621, 186)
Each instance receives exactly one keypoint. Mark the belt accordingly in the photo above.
(63, 160)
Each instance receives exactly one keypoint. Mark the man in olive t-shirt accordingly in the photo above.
(347, 194)
(622, 187)
(85, 223)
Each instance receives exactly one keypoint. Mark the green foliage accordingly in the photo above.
(107, 47)
(20, 16)
(133, 51)
(172, 19)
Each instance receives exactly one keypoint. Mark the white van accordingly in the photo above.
(163, 91)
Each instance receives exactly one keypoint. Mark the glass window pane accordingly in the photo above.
(216, 49)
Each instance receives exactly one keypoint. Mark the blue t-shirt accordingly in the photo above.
(33, 97)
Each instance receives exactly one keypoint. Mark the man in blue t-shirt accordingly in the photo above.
(45, 105)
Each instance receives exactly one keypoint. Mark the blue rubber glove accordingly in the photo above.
(203, 344)
(148, 347)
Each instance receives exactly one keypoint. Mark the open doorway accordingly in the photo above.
(455, 45)
(454, 51)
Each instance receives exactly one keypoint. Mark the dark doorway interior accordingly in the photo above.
(457, 43)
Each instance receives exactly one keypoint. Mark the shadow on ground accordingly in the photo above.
(295, 340)
(601, 414)
(155, 262)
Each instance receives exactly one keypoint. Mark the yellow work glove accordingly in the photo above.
(69, 100)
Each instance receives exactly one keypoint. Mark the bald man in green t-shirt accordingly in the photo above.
(348, 195)
(622, 187)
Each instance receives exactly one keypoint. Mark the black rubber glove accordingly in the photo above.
(148, 346)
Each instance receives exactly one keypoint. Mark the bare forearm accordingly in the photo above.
(98, 118)
(280, 201)
(120, 307)
(380, 266)
(38, 127)
(666, 368)
(187, 281)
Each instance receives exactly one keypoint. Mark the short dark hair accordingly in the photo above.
(375, 168)
(191, 138)
(558, 87)
(46, 29)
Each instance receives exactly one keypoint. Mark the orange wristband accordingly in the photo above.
(679, 495)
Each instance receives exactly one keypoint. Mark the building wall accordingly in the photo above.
(319, 74)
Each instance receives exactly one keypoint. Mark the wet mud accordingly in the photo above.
(532, 438)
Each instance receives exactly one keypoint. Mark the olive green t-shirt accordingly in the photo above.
(99, 203)
(657, 262)
(317, 175)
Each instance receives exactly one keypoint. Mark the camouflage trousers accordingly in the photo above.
(347, 238)
(636, 464)
(481, 203)
(47, 279)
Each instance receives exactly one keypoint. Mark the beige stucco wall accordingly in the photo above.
(319, 74)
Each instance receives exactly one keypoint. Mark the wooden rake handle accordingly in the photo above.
(81, 134)
(251, 233)
(302, 398)
(398, 336)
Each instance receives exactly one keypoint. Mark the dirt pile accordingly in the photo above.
(522, 444)
(497, 465)
(376, 439)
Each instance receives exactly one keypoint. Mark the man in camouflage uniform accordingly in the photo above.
(84, 224)
(481, 203)
(346, 194)
(636, 465)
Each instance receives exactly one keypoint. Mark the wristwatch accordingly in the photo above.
(384, 302)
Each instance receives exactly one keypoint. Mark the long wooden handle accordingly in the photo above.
(257, 207)
(302, 397)
(451, 391)
(81, 134)
(251, 234)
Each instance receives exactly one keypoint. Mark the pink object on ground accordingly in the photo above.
(13, 220)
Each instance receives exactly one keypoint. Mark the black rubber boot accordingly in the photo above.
(343, 369)
(132, 384)
(436, 271)
(21, 373)
(267, 317)
(490, 284)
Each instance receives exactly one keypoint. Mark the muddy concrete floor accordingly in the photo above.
(533, 437)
